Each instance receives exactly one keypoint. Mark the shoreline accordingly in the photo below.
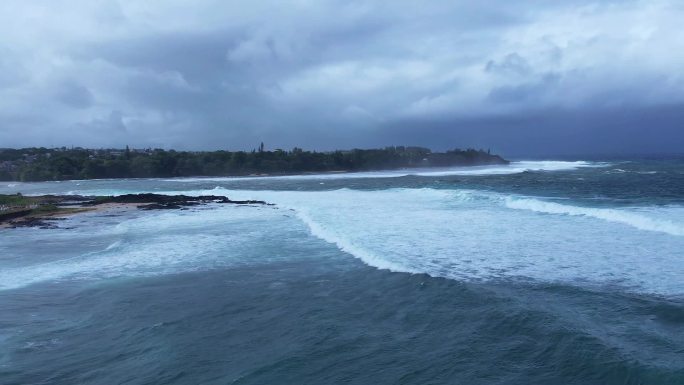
(41, 211)
(492, 160)
(47, 220)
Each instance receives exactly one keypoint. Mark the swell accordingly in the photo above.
(405, 230)
(331, 236)
(637, 221)
(149, 245)
(478, 235)
(512, 168)
(627, 216)
(641, 218)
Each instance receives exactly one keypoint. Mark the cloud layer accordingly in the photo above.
(523, 77)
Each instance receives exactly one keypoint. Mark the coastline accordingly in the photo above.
(40, 165)
(44, 210)
(48, 220)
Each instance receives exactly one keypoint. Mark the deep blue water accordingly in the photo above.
(534, 273)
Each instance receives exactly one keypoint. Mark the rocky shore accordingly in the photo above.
(43, 211)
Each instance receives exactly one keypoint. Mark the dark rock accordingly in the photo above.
(147, 201)
(166, 202)
(43, 223)
(14, 214)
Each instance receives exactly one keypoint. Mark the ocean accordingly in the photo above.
(538, 272)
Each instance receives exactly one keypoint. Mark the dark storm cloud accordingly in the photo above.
(522, 77)
(648, 130)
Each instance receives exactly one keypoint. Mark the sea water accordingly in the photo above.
(548, 272)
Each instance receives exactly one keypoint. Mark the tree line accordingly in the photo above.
(43, 164)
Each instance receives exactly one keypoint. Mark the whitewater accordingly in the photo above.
(537, 272)
(450, 232)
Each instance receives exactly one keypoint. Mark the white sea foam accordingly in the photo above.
(623, 216)
(331, 235)
(474, 235)
(457, 234)
(158, 243)
(513, 168)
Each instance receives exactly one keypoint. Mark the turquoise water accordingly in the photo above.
(534, 273)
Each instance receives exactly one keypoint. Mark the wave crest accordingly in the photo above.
(635, 220)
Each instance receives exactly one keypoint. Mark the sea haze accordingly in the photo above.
(537, 272)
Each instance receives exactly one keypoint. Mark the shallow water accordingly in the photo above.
(534, 273)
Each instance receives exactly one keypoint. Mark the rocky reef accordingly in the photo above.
(44, 210)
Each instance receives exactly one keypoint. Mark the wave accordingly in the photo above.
(331, 236)
(623, 171)
(512, 168)
(476, 235)
(638, 221)
(640, 218)
(456, 234)
(154, 244)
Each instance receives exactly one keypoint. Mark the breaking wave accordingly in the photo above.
(474, 235)
(512, 168)
(455, 234)
(630, 218)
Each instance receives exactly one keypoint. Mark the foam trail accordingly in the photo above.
(635, 220)
(622, 216)
(455, 234)
(330, 236)
(476, 235)
(512, 168)
(153, 244)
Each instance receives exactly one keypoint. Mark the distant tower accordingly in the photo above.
(261, 147)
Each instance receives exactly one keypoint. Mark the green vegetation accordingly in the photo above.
(16, 200)
(41, 164)
(17, 205)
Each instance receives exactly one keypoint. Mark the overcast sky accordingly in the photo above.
(520, 77)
